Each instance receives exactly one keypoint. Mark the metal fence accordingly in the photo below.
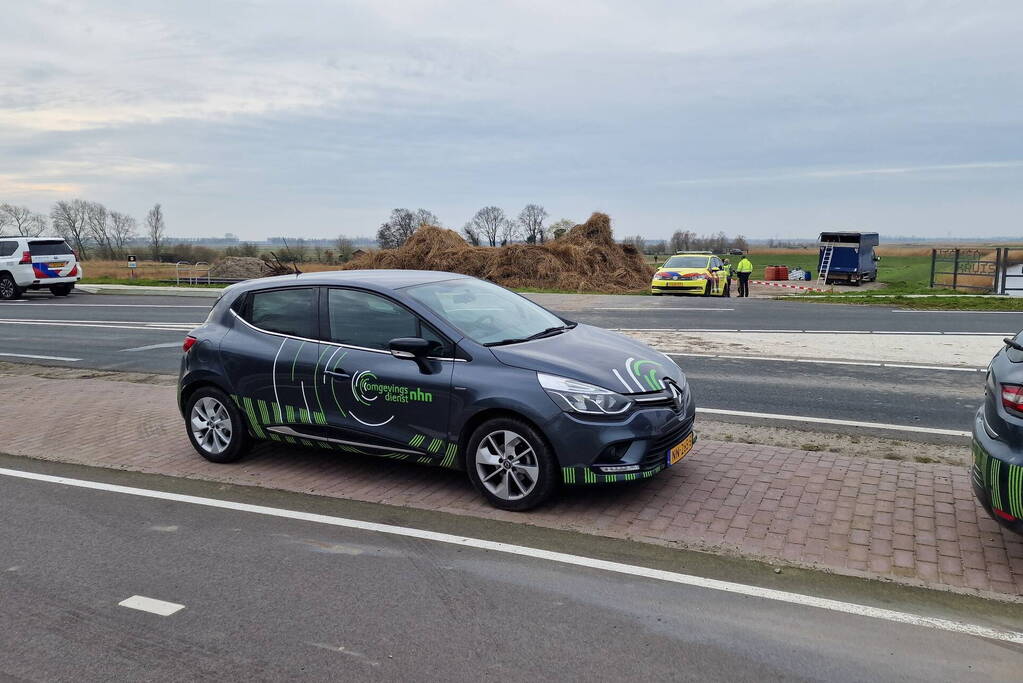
(998, 270)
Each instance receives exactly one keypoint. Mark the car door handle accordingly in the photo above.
(335, 373)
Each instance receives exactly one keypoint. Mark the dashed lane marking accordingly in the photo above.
(151, 605)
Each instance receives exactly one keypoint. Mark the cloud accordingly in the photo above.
(844, 173)
(240, 111)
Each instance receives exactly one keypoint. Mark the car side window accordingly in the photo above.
(287, 311)
(8, 247)
(371, 321)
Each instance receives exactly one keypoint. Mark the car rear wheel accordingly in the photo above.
(511, 465)
(9, 289)
(215, 426)
(61, 290)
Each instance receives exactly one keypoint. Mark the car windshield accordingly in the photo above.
(484, 312)
(687, 262)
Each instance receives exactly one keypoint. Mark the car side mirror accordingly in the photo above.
(409, 348)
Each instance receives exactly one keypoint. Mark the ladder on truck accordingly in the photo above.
(822, 276)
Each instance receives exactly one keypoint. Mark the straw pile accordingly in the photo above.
(585, 259)
(239, 268)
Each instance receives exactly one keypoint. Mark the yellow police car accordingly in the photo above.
(691, 272)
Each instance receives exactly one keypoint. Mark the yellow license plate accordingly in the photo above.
(677, 284)
(58, 264)
(678, 452)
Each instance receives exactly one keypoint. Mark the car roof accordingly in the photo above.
(371, 279)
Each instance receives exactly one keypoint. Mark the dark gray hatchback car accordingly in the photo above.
(998, 438)
(434, 368)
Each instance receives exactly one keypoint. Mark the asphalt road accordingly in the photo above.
(144, 333)
(267, 598)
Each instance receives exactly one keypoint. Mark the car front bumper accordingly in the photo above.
(637, 447)
(678, 286)
(997, 475)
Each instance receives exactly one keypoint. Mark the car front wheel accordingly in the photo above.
(215, 426)
(511, 465)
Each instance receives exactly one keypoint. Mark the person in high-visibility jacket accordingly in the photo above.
(744, 269)
(726, 273)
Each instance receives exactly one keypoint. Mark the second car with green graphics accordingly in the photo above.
(437, 369)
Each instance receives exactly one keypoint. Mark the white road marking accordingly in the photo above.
(26, 303)
(910, 310)
(942, 368)
(151, 605)
(958, 627)
(656, 308)
(152, 328)
(830, 332)
(829, 421)
(151, 347)
(181, 323)
(29, 355)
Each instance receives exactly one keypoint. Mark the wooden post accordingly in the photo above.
(934, 257)
(955, 270)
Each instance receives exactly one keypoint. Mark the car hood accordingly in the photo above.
(594, 355)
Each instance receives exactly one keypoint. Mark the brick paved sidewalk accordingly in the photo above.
(898, 521)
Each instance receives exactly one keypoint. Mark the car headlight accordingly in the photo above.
(579, 397)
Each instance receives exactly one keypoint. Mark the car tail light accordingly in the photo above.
(74, 271)
(189, 343)
(26, 258)
(1012, 398)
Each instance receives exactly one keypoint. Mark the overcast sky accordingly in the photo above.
(767, 118)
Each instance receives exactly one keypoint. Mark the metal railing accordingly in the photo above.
(192, 273)
(998, 270)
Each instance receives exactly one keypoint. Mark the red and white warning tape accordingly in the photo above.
(778, 284)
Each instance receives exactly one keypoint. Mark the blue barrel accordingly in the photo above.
(807, 275)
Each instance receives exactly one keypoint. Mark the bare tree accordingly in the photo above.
(68, 218)
(471, 234)
(487, 223)
(531, 219)
(559, 228)
(156, 230)
(636, 241)
(22, 220)
(510, 231)
(123, 229)
(396, 230)
(97, 225)
(344, 248)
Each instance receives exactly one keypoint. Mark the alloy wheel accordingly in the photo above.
(211, 425)
(6, 288)
(507, 465)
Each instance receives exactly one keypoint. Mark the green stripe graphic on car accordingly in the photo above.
(449, 456)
